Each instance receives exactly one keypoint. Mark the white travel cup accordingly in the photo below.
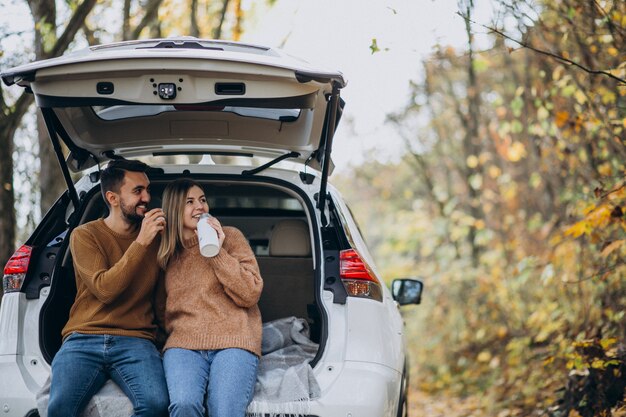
(207, 237)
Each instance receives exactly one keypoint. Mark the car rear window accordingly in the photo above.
(119, 112)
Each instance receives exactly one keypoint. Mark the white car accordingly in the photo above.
(255, 127)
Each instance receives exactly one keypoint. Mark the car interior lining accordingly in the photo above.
(274, 222)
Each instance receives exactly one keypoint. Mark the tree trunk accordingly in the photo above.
(7, 199)
(51, 182)
(217, 33)
(126, 20)
(193, 17)
(471, 143)
(10, 118)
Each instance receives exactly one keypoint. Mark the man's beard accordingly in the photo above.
(130, 213)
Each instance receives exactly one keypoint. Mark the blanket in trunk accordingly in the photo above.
(285, 381)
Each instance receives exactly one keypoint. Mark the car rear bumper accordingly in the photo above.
(360, 390)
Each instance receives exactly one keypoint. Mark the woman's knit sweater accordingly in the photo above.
(212, 302)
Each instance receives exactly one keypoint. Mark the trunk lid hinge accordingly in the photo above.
(326, 147)
(49, 119)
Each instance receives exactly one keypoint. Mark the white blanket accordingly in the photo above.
(285, 381)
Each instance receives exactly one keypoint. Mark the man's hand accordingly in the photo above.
(152, 223)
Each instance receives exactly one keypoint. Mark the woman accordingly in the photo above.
(212, 320)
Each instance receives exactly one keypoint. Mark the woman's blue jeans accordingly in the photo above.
(220, 381)
(85, 362)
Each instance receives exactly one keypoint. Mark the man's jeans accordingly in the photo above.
(85, 362)
(220, 380)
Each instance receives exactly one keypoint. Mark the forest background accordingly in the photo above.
(507, 199)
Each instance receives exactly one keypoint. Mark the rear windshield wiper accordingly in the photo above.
(256, 170)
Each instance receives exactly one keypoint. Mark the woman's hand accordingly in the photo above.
(218, 228)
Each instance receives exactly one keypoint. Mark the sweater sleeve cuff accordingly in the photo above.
(137, 250)
(222, 260)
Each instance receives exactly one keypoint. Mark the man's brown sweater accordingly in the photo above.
(212, 302)
(115, 282)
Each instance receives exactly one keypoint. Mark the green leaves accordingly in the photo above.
(374, 48)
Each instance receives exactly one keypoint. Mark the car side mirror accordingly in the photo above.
(407, 291)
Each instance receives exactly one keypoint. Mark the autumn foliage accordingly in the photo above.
(509, 203)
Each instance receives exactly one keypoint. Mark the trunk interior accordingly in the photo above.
(272, 217)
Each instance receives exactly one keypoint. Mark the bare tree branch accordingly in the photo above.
(151, 13)
(73, 26)
(547, 53)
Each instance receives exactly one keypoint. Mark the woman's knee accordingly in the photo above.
(186, 408)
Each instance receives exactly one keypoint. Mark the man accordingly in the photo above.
(111, 330)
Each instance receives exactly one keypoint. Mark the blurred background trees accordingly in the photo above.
(509, 202)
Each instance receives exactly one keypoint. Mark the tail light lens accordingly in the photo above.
(15, 269)
(357, 277)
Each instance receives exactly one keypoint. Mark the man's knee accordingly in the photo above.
(153, 406)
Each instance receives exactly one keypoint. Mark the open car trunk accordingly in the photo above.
(275, 220)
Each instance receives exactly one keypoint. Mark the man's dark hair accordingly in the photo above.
(112, 177)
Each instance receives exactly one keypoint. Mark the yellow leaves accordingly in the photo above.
(605, 169)
(607, 95)
(542, 113)
(535, 180)
(618, 194)
(509, 191)
(472, 161)
(578, 229)
(596, 218)
(580, 97)
(612, 51)
(516, 152)
(561, 118)
(607, 343)
(481, 64)
(494, 171)
(607, 38)
(611, 247)
(502, 332)
(484, 356)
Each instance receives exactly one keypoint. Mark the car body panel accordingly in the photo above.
(22, 369)
(360, 389)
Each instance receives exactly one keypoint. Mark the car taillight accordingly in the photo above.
(15, 269)
(357, 277)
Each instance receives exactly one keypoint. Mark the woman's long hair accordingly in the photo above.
(174, 198)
